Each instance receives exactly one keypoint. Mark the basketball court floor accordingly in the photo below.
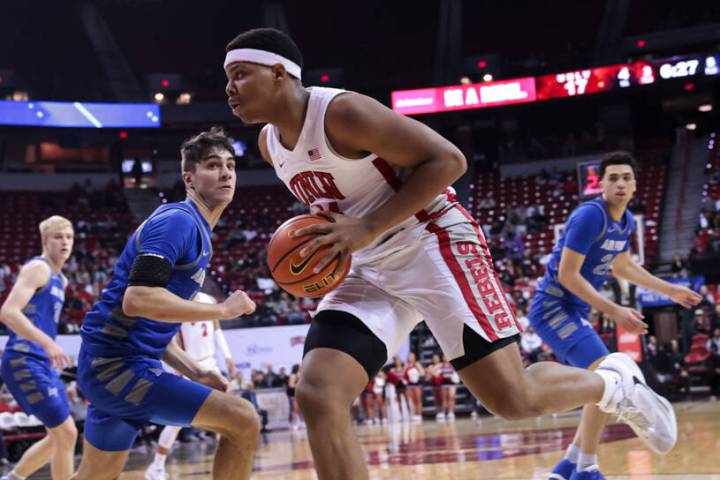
(479, 450)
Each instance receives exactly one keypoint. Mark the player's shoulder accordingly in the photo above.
(347, 105)
(351, 115)
(35, 271)
(175, 214)
(590, 210)
(262, 143)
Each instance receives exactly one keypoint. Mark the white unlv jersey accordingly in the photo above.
(324, 180)
(198, 339)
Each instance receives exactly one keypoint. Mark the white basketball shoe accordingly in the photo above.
(650, 416)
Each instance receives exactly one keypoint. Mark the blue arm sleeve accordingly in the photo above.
(172, 235)
(583, 228)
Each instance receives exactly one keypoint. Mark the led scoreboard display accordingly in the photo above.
(594, 80)
(589, 179)
(574, 83)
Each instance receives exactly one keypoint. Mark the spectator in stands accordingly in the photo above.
(522, 318)
(270, 379)
(250, 233)
(716, 315)
(248, 393)
(235, 237)
(264, 280)
(713, 343)
(488, 202)
(652, 347)
(257, 378)
(283, 376)
(531, 344)
(701, 322)
(679, 267)
(713, 362)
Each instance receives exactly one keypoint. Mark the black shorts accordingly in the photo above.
(342, 331)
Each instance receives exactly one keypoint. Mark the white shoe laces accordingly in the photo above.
(634, 416)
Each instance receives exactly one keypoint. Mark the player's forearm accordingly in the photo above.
(157, 303)
(427, 181)
(181, 361)
(576, 283)
(634, 273)
(16, 321)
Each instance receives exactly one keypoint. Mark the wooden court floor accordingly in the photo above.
(469, 449)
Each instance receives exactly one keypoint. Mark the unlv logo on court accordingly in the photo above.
(309, 186)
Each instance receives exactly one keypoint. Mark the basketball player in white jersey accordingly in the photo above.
(200, 341)
(417, 254)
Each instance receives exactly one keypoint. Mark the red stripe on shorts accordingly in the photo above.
(483, 242)
(457, 271)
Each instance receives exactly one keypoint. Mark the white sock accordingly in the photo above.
(613, 382)
(160, 459)
(167, 437)
(585, 460)
(14, 476)
(573, 453)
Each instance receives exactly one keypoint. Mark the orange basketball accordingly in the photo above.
(292, 272)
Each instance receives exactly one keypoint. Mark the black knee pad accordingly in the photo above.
(345, 332)
(476, 347)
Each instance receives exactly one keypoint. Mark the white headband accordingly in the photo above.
(262, 57)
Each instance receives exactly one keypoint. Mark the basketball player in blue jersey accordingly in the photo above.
(130, 328)
(31, 313)
(416, 255)
(596, 240)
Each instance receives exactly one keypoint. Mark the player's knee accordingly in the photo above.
(65, 435)
(319, 401)
(516, 405)
(243, 422)
(517, 411)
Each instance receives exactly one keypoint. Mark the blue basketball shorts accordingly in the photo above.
(36, 386)
(565, 329)
(130, 391)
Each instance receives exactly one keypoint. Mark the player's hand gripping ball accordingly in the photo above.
(294, 273)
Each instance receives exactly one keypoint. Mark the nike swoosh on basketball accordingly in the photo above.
(298, 269)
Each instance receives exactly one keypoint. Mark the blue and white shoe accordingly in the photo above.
(563, 470)
(589, 473)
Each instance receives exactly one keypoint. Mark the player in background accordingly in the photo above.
(417, 254)
(596, 240)
(200, 340)
(130, 329)
(31, 313)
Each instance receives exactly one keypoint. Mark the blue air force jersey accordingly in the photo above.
(43, 310)
(592, 232)
(178, 233)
